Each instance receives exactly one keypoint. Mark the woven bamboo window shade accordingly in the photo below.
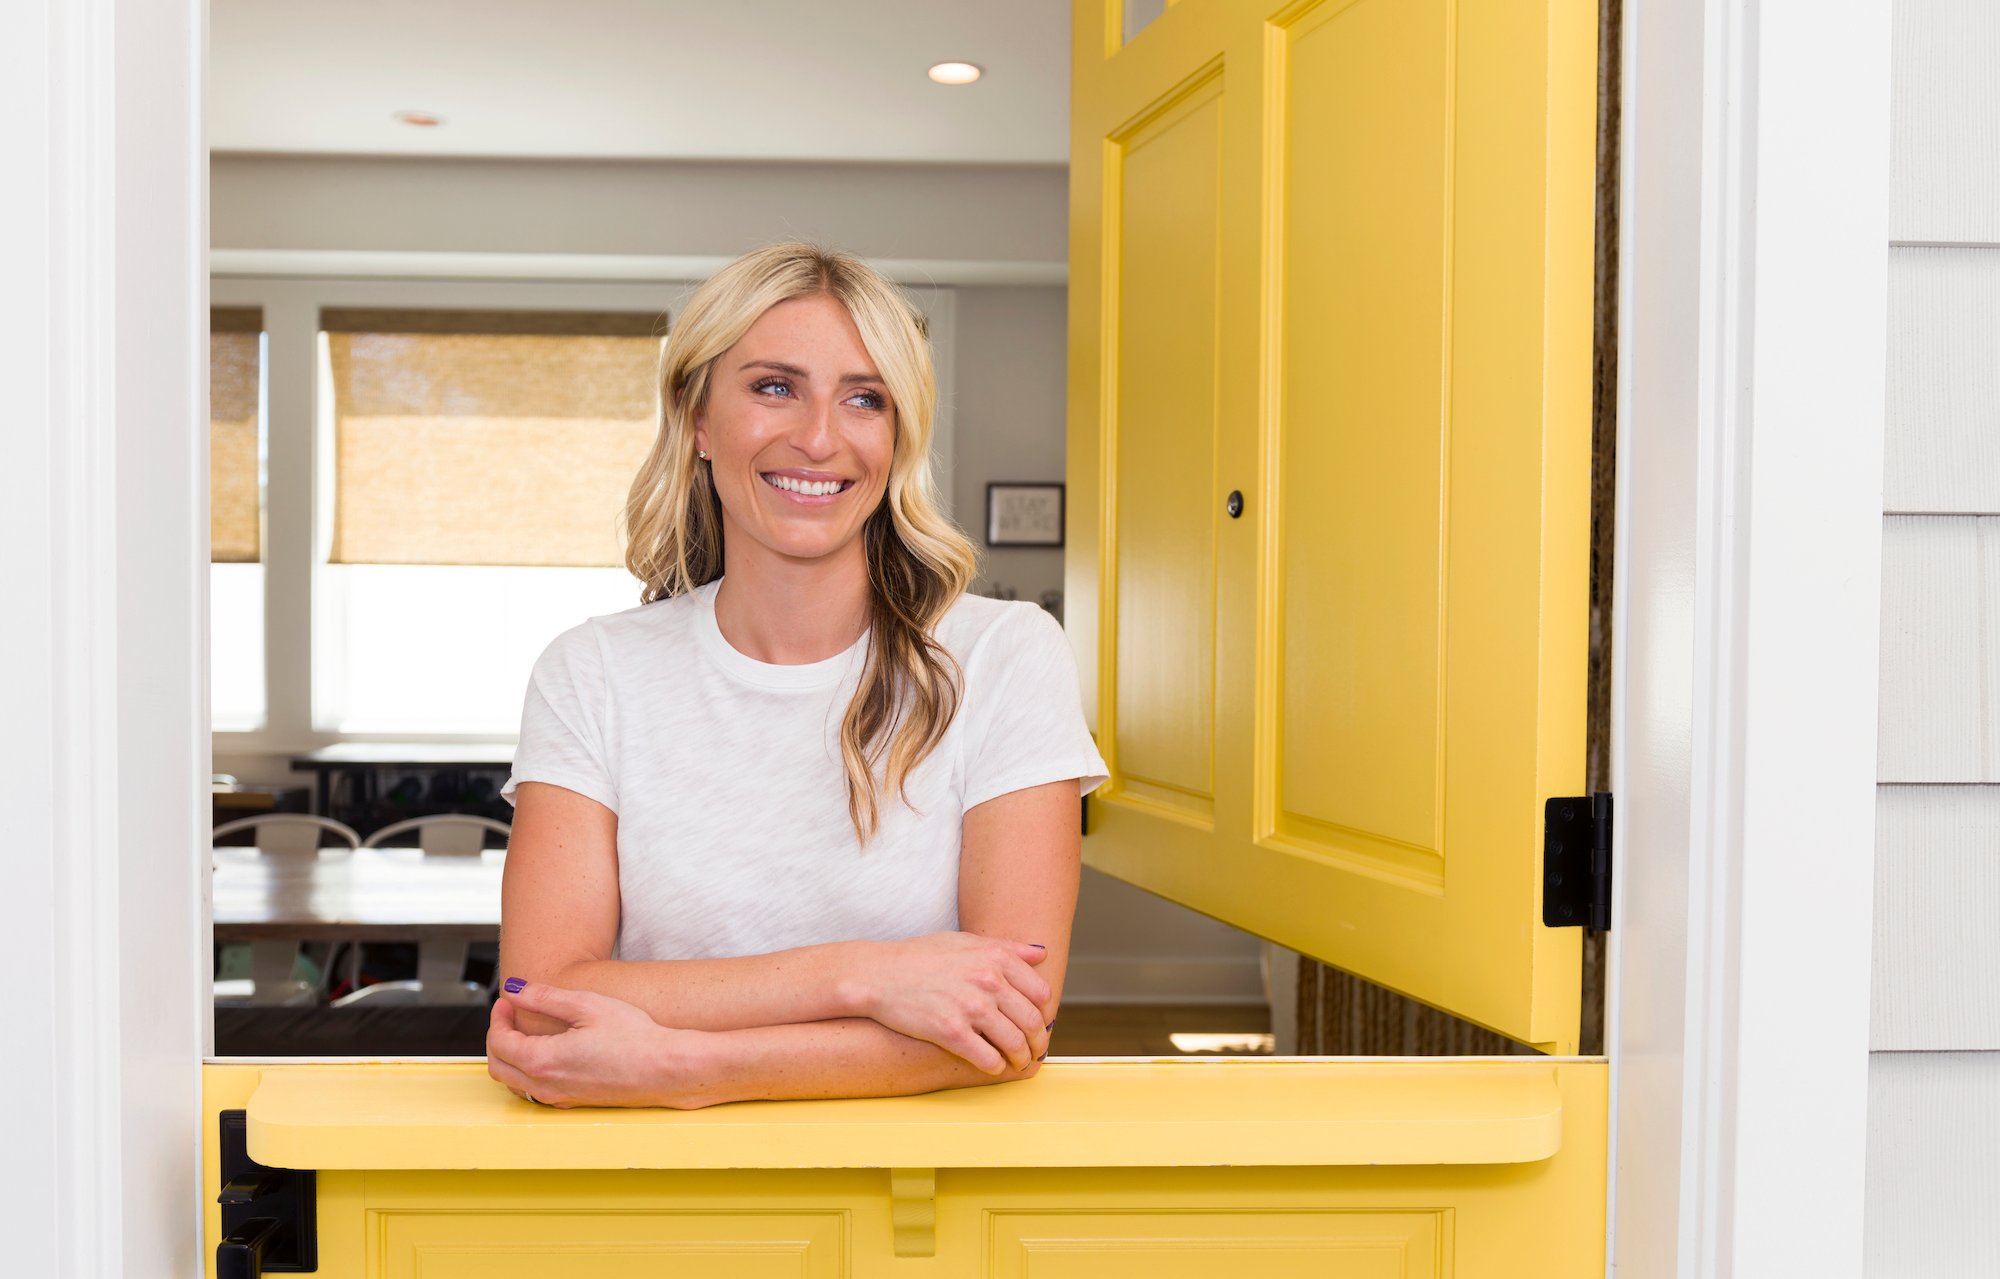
(234, 498)
(487, 437)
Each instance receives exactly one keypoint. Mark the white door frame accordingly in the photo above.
(1752, 324)
(1754, 243)
(103, 632)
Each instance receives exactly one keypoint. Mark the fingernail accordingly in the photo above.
(514, 985)
(1050, 1026)
(1037, 945)
(1043, 1057)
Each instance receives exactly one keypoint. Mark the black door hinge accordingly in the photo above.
(269, 1215)
(1576, 862)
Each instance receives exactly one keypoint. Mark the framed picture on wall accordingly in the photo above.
(1024, 515)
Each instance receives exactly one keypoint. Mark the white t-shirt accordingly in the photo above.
(725, 773)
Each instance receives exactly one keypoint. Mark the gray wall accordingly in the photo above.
(1009, 358)
(974, 212)
(1009, 421)
(1934, 1072)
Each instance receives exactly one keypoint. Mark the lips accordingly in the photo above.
(807, 485)
(808, 488)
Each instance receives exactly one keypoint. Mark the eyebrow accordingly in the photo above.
(798, 372)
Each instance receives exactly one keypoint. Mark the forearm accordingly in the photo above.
(803, 984)
(844, 1057)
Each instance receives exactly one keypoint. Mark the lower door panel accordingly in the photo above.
(1540, 1217)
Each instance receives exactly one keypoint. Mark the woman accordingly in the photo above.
(804, 823)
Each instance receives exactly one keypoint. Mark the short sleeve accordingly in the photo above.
(563, 721)
(1024, 716)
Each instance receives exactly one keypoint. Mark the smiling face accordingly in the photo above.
(799, 432)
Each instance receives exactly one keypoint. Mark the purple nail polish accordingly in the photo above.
(513, 985)
(1050, 1026)
(1037, 945)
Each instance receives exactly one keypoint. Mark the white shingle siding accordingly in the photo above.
(1943, 453)
(1940, 707)
(1933, 1166)
(1937, 920)
(1945, 123)
(1934, 1074)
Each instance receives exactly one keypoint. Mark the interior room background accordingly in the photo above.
(991, 236)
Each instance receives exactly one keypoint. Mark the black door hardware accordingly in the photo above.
(1576, 862)
(269, 1215)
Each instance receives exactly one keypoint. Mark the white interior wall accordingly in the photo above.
(1934, 1065)
(1008, 362)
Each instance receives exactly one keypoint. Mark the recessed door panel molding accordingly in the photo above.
(1141, 1245)
(1360, 96)
(1163, 183)
(611, 1243)
(1378, 525)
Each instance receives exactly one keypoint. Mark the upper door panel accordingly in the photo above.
(1335, 259)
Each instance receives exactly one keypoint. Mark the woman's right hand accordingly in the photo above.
(978, 997)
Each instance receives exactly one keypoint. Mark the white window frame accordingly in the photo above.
(300, 649)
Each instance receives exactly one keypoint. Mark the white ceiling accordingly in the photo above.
(656, 79)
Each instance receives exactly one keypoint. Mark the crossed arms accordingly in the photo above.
(843, 1019)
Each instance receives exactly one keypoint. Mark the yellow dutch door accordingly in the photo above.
(1330, 309)
(1330, 296)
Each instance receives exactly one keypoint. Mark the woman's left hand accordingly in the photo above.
(611, 1054)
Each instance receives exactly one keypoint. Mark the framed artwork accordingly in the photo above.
(1024, 515)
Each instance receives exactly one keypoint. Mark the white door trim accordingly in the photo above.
(1754, 249)
(1753, 316)
(103, 495)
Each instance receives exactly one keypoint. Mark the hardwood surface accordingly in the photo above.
(372, 894)
(406, 755)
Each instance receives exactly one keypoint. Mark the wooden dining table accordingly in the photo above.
(369, 894)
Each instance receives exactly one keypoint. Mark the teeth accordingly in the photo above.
(810, 488)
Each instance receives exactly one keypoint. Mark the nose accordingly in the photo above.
(816, 435)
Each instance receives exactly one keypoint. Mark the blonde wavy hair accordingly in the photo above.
(918, 561)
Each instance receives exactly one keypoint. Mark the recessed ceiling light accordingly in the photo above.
(420, 119)
(955, 73)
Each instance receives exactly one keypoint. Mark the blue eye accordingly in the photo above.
(768, 383)
(874, 401)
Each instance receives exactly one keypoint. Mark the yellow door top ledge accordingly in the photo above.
(1083, 1114)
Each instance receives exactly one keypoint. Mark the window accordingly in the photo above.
(478, 464)
(236, 517)
(440, 470)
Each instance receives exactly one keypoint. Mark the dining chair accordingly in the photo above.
(445, 834)
(273, 976)
(440, 975)
(290, 832)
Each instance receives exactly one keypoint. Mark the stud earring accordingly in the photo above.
(703, 456)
